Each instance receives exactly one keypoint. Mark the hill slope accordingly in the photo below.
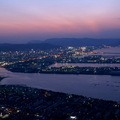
(83, 42)
(22, 47)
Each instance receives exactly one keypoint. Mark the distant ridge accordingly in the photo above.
(81, 41)
(22, 47)
(35, 42)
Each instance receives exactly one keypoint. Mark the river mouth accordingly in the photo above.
(97, 86)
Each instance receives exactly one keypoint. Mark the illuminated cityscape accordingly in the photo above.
(59, 60)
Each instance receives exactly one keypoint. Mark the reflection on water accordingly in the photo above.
(97, 86)
(84, 65)
(112, 50)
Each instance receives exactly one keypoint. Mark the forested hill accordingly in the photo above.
(22, 47)
(79, 42)
(83, 42)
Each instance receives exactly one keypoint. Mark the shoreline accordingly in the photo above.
(57, 104)
(57, 92)
(62, 90)
(1, 78)
(110, 73)
(64, 73)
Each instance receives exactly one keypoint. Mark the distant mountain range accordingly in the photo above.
(80, 42)
(22, 47)
(57, 42)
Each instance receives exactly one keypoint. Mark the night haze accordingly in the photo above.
(22, 21)
(59, 60)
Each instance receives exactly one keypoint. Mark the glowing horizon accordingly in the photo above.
(38, 19)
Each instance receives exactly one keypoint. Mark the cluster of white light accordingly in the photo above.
(73, 117)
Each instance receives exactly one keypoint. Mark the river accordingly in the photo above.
(97, 86)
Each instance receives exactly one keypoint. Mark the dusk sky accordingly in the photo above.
(25, 20)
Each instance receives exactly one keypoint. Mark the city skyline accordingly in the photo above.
(22, 21)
